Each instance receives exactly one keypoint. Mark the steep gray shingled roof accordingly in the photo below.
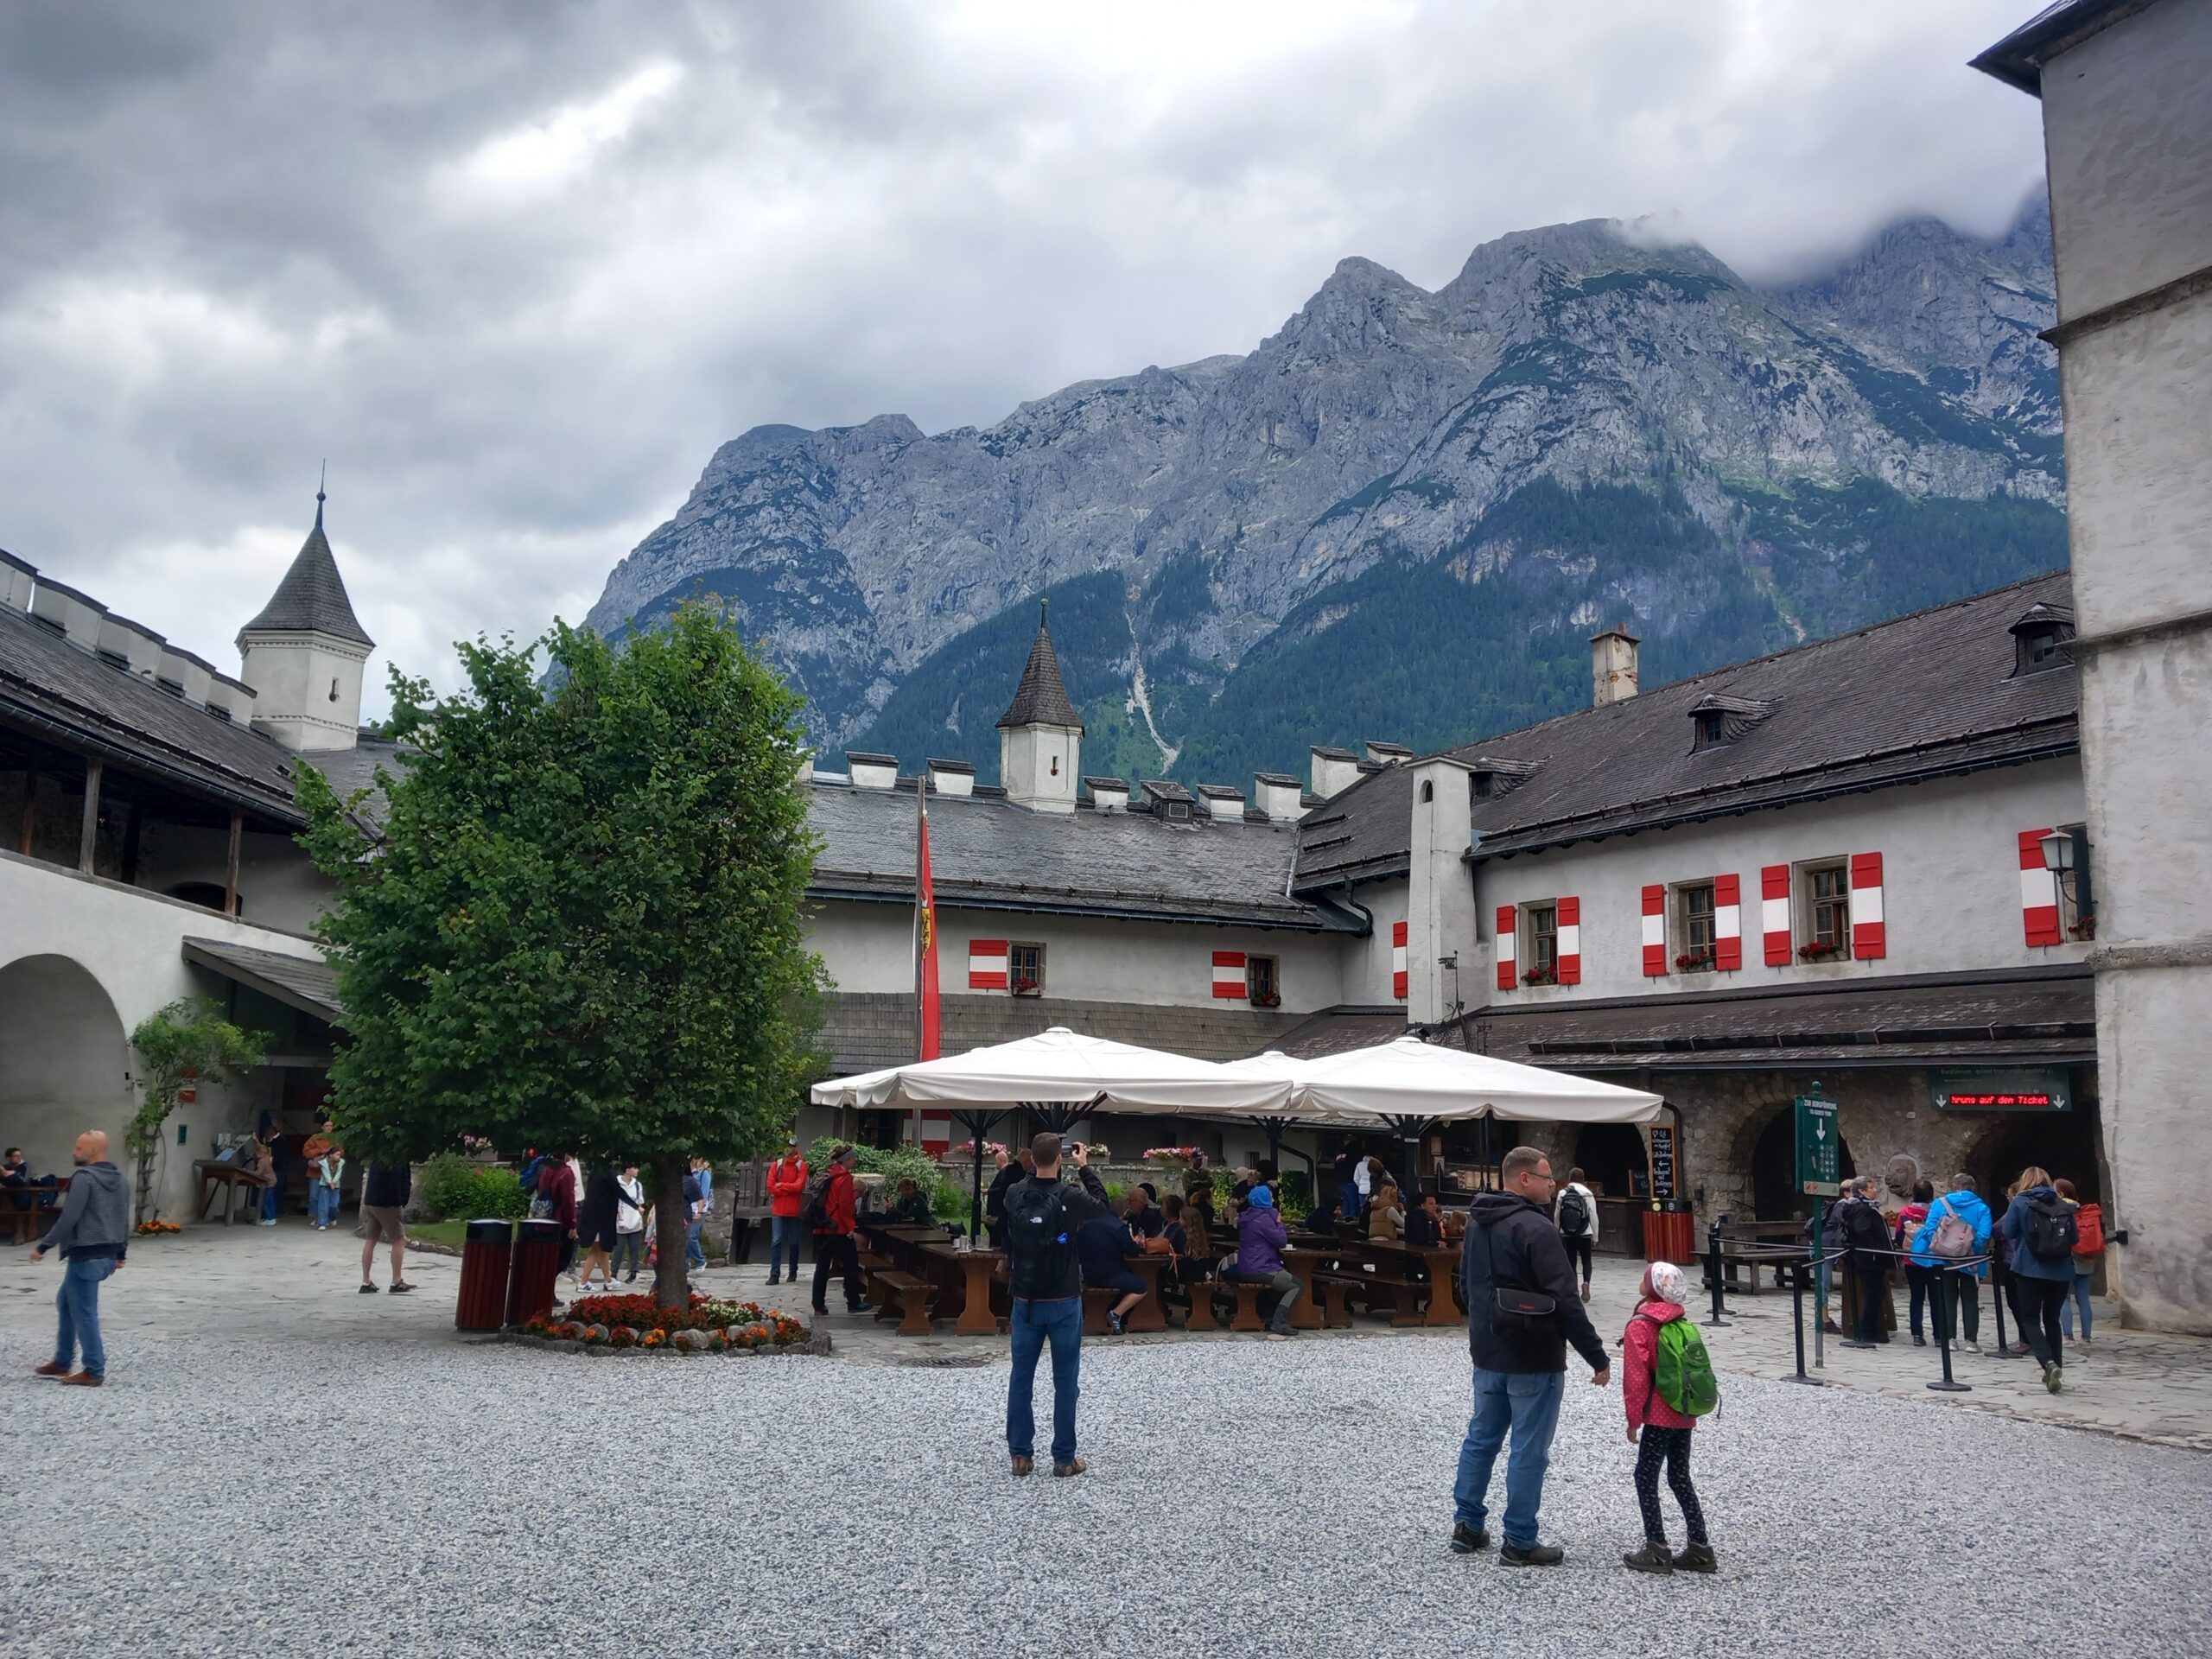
(303, 982)
(991, 854)
(311, 598)
(1921, 696)
(1041, 699)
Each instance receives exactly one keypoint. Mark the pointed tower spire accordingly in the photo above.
(304, 654)
(1040, 734)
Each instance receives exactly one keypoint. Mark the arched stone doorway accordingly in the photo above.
(2065, 1143)
(1774, 1168)
(64, 1061)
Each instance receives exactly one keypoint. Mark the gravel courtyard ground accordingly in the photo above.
(310, 1472)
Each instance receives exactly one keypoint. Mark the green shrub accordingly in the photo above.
(454, 1189)
(895, 1167)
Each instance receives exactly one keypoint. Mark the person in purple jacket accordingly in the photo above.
(1260, 1241)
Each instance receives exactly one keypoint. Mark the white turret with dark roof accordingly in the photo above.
(305, 654)
(1040, 734)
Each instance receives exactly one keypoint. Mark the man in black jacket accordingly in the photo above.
(1011, 1174)
(1043, 1215)
(1520, 1357)
(1858, 1219)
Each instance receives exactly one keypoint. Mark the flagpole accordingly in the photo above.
(921, 1018)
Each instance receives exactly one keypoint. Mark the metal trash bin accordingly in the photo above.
(537, 1263)
(1670, 1233)
(487, 1249)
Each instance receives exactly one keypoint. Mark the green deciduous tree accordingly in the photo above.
(186, 1044)
(583, 928)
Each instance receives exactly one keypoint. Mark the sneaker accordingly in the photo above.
(1696, 1558)
(773, 1279)
(2052, 1377)
(368, 1289)
(1468, 1541)
(1652, 1558)
(1117, 1325)
(1920, 1342)
(400, 1287)
(1853, 1342)
(820, 1311)
(1535, 1555)
(1971, 1347)
(860, 1307)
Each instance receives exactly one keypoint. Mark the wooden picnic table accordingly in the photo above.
(27, 1209)
(215, 1174)
(1409, 1274)
(1304, 1262)
(1147, 1315)
(965, 1278)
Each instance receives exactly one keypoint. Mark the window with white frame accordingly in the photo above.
(1025, 968)
(1696, 921)
(1824, 893)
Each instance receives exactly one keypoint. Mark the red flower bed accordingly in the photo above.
(733, 1324)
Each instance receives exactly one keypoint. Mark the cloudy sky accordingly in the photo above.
(516, 269)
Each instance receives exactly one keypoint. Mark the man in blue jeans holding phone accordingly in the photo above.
(1043, 1215)
(1522, 1313)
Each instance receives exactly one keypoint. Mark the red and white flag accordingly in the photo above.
(925, 927)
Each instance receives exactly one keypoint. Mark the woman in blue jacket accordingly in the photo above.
(1961, 1290)
(2045, 1277)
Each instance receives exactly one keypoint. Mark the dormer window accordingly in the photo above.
(1178, 811)
(2039, 638)
(1712, 728)
(1481, 785)
(1715, 718)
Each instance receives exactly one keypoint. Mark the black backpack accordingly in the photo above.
(815, 1212)
(2052, 1228)
(1039, 1247)
(1574, 1213)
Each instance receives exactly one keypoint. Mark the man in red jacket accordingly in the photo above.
(786, 1197)
(833, 1249)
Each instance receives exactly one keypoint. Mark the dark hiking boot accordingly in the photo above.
(1468, 1540)
(1025, 1465)
(1696, 1558)
(1535, 1555)
(1652, 1558)
(1073, 1466)
(2053, 1377)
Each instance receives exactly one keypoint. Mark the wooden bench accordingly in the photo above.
(912, 1297)
(1336, 1291)
(1248, 1303)
(1202, 1314)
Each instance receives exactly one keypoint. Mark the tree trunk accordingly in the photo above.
(672, 1280)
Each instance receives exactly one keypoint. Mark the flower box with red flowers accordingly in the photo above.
(1819, 950)
(1690, 959)
(1266, 999)
(1539, 976)
(1026, 988)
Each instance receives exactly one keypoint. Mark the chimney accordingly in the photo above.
(192, 674)
(1334, 771)
(235, 697)
(1108, 794)
(1613, 666)
(1388, 754)
(16, 581)
(139, 647)
(1277, 793)
(952, 778)
(873, 771)
(1223, 804)
(77, 615)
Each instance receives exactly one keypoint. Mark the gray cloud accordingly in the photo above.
(516, 269)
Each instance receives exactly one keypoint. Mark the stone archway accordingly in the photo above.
(64, 1061)
(1772, 1161)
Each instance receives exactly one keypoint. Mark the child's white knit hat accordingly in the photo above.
(1668, 1282)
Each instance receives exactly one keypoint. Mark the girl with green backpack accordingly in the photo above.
(1668, 1385)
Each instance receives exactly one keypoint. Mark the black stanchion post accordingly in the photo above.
(1799, 1273)
(1713, 1275)
(1945, 1306)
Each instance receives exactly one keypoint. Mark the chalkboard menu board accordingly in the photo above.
(1663, 1161)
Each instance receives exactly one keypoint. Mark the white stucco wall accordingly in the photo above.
(868, 948)
(130, 944)
(1951, 882)
(293, 676)
(1366, 962)
(2127, 137)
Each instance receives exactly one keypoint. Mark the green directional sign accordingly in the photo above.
(1820, 1160)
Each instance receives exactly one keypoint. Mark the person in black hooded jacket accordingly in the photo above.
(1520, 1358)
(1043, 1215)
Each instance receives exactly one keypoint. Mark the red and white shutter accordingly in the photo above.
(987, 964)
(1869, 934)
(1774, 913)
(1570, 941)
(1398, 960)
(1655, 930)
(2039, 892)
(937, 1133)
(1228, 974)
(1508, 936)
(1727, 923)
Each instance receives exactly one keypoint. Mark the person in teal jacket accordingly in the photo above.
(1962, 1289)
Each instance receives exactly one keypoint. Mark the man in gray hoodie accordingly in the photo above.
(93, 1234)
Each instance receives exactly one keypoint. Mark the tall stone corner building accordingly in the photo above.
(147, 853)
(2126, 87)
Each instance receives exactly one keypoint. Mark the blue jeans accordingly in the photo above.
(2081, 1301)
(783, 1236)
(322, 1203)
(1033, 1325)
(78, 1302)
(694, 1253)
(1528, 1404)
(272, 1200)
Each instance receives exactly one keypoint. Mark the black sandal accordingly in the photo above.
(368, 1289)
(400, 1287)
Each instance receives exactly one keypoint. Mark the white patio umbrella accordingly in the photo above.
(1059, 1074)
